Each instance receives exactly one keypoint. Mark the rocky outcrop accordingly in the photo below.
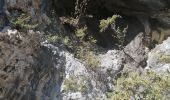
(81, 83)
(28, 71)
(31, 69)
(159, 57)
(18, 51)
(136, 52)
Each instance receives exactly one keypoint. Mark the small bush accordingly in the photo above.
(104, 24)
(80, 33)
(80, 8)
(53, 38)
(23, 21)
(73, 85)
(91, 59)
(164, 58)
(149, 86)
(59, 39)
(117, 32)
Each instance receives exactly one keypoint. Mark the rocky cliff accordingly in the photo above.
(54, 50)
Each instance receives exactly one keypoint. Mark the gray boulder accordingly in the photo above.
(159, 57)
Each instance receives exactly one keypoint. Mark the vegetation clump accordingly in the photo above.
(23, 21)
(105, 23)
(164, 58)
(80, 33)
(91, 59)
(147, 86)
(118, 33)
(71, 85)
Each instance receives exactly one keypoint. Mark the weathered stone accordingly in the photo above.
(136, 52)
(24, 68)
(112, 61)
(159, 57)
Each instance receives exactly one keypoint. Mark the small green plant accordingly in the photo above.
(80, 8)
(92, 40)
(164, 58)
(24, 22)
(118, 33)
(104, 24)
(80, 33)
(73, 85)
(66, 40)
(147, 86)
(69, 20)
(54, 38)
(91, 59)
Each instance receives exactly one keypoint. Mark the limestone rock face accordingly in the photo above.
(112, 61)
(34, 70)
(136, 52)
(81, 83)
(159, 57)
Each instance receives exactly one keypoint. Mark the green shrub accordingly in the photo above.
(92, 39)
(80, 33)
(80, 8)
(73, 85)
(54, 38)
(23, 21)
(59, 39)
(91, 59)
(118, 33)
(148, 86)
(104, 24)
(164, 58)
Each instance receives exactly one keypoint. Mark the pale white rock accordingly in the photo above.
(112, 60)
(157, 56)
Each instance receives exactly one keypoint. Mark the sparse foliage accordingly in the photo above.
(104, 24)
(118, 33)
(92, 60)
(23, 22)
(148, 86)
(80, 7)
(53, 38)
(70, 84)
(164, 58)
(80, 33)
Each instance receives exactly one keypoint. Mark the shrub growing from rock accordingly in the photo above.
(148, 86)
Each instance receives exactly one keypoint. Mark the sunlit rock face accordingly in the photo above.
(159, 58)
(81, 83)
(34, 70)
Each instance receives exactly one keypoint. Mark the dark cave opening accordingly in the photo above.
(98, 11)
